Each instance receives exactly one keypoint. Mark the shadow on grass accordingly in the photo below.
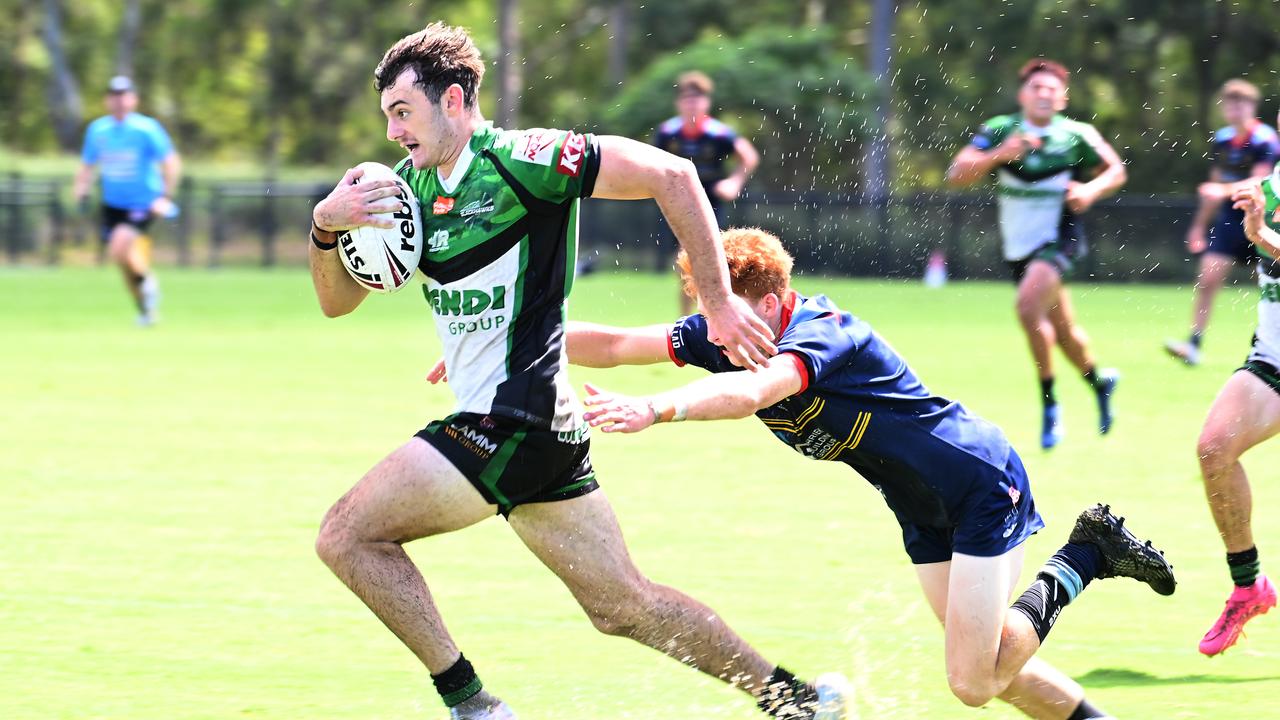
(1118, 677)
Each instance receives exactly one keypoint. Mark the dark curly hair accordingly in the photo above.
(440, 55)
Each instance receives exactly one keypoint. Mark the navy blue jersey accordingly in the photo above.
(708, 147)
(1235, 154)
(861, 404)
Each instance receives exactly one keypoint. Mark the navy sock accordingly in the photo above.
(1196, 337)
(1060, 581)
(1046, 392)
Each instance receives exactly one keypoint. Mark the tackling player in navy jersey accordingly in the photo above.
(1245, 150)
(837, 391)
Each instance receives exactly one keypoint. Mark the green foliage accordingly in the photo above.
(289, 80)
(794, 92)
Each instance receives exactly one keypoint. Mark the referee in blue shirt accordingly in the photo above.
(139, 170)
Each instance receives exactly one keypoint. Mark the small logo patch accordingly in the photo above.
(439, 242)
(536, 147)
(571, 153)
(477, 207)
(442, 205)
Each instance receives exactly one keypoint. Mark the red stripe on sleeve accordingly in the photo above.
(804, 371)
(671, 349)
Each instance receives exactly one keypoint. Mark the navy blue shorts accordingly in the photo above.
(1226, 237)
(113, 216)
(995, 519)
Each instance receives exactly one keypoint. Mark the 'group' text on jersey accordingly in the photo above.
(862, 405)
(501, 237)
(1032, 191)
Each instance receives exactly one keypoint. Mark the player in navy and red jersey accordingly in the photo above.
(1244, 150)
(837, 391)
(708, 143)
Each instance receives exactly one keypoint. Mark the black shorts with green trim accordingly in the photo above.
(1264, 371)
(511, 462)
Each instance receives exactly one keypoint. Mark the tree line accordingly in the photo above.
(290, 81)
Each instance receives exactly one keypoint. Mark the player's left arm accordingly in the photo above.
(1108, 176)
(716, 397)
(605, 346)
(632, 170)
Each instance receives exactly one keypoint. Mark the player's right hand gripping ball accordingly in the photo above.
(379, 259)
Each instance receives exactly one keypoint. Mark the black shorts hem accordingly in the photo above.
(1264, 371)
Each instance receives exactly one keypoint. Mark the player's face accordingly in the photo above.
(693, 105)
(415, 123)
(766, 308)
(1042, 96)
(121, 103)
(1238, 110)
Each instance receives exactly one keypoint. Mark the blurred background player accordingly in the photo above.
(708, 143)
(1245, 413)
(140, 170)
(1246, 148)
(1049, 169)
(836, 391)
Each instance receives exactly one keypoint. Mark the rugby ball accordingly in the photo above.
(384, 260)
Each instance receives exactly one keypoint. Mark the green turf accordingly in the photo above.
(162, 490)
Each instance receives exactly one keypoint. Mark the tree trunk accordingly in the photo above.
(508, 63)
(130, 24)
(620, 29)
(63, 91)
(881, 49)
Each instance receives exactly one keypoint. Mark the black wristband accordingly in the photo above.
(326, 247)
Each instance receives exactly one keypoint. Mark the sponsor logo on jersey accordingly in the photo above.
(575, 436)
(467, 302)
(1014, 494)
(536, 146)
(571, 152)
(477, 207)
(472, 306)
(1271, 292)
(438, 242)
(442, 205)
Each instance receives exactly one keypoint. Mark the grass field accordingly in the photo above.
(162, 491)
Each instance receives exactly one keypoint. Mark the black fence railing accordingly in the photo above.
(263, 222)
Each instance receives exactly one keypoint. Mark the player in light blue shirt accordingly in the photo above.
(139, 170)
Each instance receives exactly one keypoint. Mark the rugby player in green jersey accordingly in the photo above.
(1049, 170)
(500, 221)
(1245, 414)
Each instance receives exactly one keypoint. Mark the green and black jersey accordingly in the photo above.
(1032, 191)
(501, 243)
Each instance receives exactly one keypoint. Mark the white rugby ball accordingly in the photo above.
(379, 259)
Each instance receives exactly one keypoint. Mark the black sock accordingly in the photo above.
(1084, 711)
(1046, 392)
(786, 697)
(457, 684)
(1042, 602)
(1091, 377)
(1196, 337)
(1244, 566)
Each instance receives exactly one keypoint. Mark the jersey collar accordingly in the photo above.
(1240, 139)
(696, 130)
(450, 184)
